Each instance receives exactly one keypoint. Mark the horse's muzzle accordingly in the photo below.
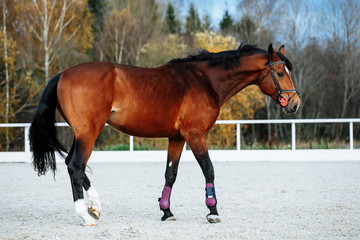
(291, 107)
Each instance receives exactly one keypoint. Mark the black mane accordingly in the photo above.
(229, 59)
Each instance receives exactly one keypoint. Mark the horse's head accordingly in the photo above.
(276, 81)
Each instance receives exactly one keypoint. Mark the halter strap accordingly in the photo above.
(278, 89)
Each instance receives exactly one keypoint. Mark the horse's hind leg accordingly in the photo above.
(76, 167)
(174, 152)
(95, 206)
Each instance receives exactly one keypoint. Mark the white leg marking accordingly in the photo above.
(93, 198)
(81, 211)
(95, 206)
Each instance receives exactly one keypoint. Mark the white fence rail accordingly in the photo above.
(350, 154)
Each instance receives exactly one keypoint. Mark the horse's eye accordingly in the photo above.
(280, 74)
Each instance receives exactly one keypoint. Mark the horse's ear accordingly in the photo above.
(282, 50)
(272, 53)
(242, 44)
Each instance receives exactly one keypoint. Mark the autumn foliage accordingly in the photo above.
(39, 38)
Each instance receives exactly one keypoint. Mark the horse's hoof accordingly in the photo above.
(168, 216)
(170, 219)
(95, 213)
(212, 218)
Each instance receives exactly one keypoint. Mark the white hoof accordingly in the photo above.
(213, 218)
(169, 219)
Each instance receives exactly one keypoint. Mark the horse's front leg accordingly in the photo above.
(174, 152)
(197, 143)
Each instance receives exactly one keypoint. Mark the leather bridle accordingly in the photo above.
(280, 98)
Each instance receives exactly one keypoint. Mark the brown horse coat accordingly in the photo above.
(179, 100)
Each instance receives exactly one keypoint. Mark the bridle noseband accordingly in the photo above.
(280, 98)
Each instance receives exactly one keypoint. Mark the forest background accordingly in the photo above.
(39, 38)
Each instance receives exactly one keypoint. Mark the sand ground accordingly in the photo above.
(256, 200)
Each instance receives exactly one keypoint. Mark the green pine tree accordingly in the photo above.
(207, 23)
(173, 24)
(193, 23)
(246, 29)
(97, 8)
(227, 22)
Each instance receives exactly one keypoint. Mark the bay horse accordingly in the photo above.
(179, 100)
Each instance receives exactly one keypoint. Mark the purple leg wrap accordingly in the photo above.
(210, 195)
(165, 198)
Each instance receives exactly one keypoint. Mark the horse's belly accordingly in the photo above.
(142, 125)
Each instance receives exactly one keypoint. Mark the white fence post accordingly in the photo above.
(293, 136)
(131, 143)
(238, 143)
(351, 135)
(27, 144)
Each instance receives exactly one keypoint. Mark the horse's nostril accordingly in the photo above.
(295, 107)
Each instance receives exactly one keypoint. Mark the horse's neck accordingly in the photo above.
(227, 83)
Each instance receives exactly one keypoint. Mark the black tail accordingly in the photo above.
(42, 133)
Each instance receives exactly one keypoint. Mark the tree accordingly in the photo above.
(116, 38)
(207, 23)
(263, 13)
(214, 42)
(344, 44)
(161, 50)
(146, 20)
(128, 28)
(173, 24)
(192, 25)
(16, 90)
(245, 29)
(226, 22)
(8, 59)
(347, 36)
(98, 10)
(22, 29)
(53, 25)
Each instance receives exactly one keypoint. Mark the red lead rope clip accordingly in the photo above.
(283, 101)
